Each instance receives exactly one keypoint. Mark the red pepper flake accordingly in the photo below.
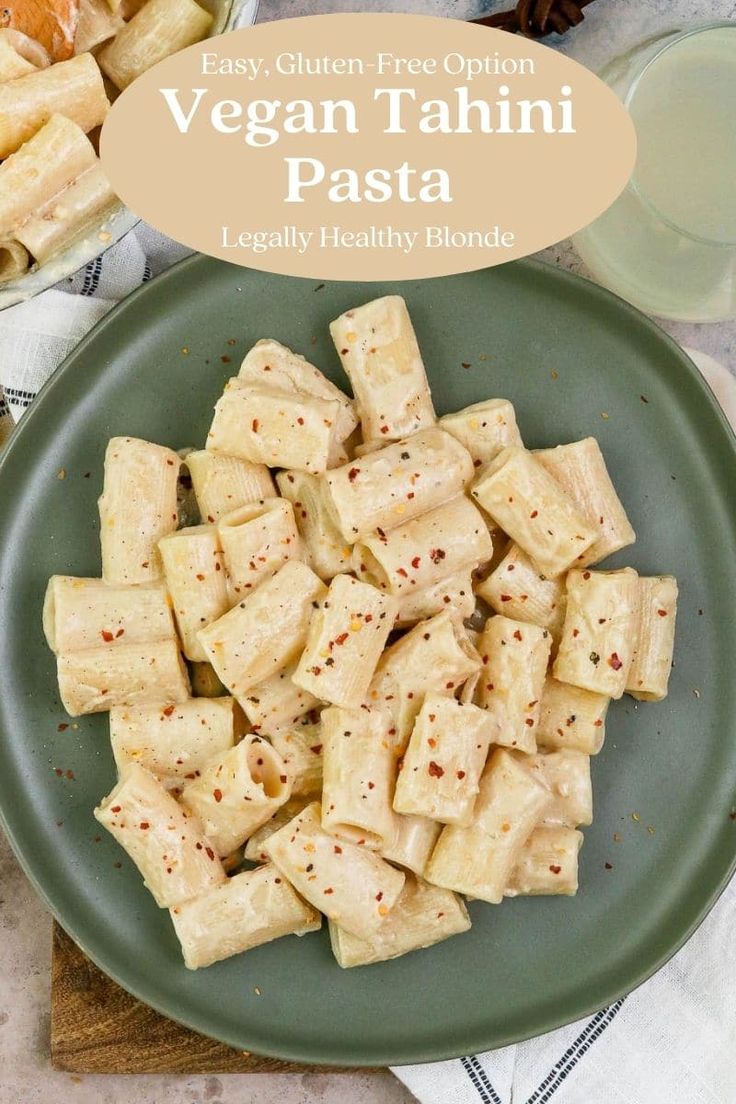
(59, 774)
(529, 722)
(435, 770)
(217, 794)
(586, 575)
(254, 425)
(316, 671)
(316, 749)
(210, 854)
(384, 429)
(340, 640)
(371, 785)
(598, 723)
(379, 895)
(70, 775)
(608, 866)
(168, 710)
(402, 571)
(517, 635)
(432, 742)
(415, 562)
(201, 578)
(144, 826)
(436, 555)
(283, 779)
(300, 421)
(505, 597)
(116, 809)
(119, 633)
(329, 890)
(62, 727)
(555, 869)
(576, 632)
(337, 849)
(368, 618)
(344, 352)
(534, 513)
(662, 613)
(107, 636)
(353, 474)
(614, 661)
(461, 774)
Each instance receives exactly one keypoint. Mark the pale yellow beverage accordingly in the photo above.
(668, 244)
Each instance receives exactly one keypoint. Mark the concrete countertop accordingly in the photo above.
(26, 1076)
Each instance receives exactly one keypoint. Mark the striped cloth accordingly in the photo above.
(672, 1040)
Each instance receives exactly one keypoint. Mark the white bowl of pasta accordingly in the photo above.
(61, 65)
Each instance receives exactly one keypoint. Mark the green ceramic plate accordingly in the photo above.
(575, 361)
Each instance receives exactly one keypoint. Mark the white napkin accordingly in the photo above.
(673, 1039)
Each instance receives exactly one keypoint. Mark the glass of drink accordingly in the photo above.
(668, 243)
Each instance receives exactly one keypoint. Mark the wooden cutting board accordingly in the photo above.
(96, 1027)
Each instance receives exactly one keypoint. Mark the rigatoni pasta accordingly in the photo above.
(164, 841)
(348, 883)
(518, 492)
(160, 28)
(137, 508)
(599, 634)
(67, 215)
(362, 729)
(347, 635)
(379, 352)
(655, 638)
(247, 910)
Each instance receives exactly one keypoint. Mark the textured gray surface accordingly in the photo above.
(610, 27)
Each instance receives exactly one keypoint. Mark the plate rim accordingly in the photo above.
(424, 1053)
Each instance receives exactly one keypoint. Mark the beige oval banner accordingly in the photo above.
(368, 145)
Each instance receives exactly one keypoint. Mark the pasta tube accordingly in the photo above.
(96, 679)
(271, 363)
(248, 910)
(515, 657)
(581, 471)
(454, 593)
(516, 589)
(12, 62)
(14, 260)
(224, 483)
(86, 613)
(277, 703)
(192, 560)
(599, 633)
(571, 718)
(567, 775)
(164, 841)
(421, 552)
(137, 509)
(326, 551)
(359, 774)
(346, 637)
(478, 860)
(484, 429)
(264, 632)
(172, 741)
(441, 769)
(348, 883)
(300, 747)
(413, 842)
(73, 89)
(433, 657)
(548, 864)
(237, 791)
(97, 24)
(522, 497)
(655, 638)
(379, 352)
(279, 428)
(67, 215)
(395, 484)
(256, 540)
(423, 915)
(52, 158)
(159, 29)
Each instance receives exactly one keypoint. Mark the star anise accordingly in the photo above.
(537, 18)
